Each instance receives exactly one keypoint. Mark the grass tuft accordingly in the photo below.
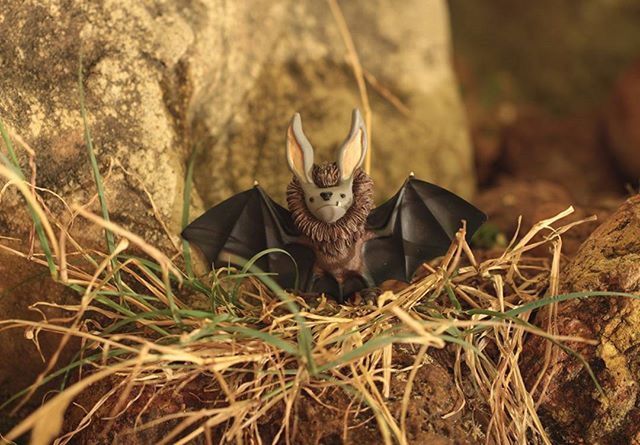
(149, 326)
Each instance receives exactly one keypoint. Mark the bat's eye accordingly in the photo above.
(342, 195)
(310, 199)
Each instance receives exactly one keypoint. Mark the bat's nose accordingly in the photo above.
(326, 195)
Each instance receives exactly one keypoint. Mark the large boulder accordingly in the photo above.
(406, 49)
(165, 78)
(572, 409)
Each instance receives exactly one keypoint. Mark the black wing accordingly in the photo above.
(247, 224)
(416, 225)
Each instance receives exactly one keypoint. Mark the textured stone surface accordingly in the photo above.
(163, 78)
(572, 409)
(306, 71)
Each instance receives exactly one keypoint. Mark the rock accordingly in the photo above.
(306, 71)
(538, 200)
(164, 78)
(623, 122)
(611, 253)
(512, 198)
(572, 409)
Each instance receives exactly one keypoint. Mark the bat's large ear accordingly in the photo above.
(299, 151)
(354, 148)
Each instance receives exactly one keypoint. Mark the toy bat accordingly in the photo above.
(341, 244)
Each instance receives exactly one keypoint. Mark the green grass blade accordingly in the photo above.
(10, 150)
(249, 265)
(452, 297)
(465, 344)
(42, 237)
(109, 238)
(556, 299)
(271, 339)
(305, 339)
(370, 346)
(186, 202)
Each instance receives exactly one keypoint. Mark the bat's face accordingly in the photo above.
(328, 188)
(328, 204)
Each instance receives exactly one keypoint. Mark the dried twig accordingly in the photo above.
(358, 74)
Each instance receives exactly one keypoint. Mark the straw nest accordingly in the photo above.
(239, 358)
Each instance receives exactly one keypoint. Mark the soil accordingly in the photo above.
(38, 288)
(433, 396)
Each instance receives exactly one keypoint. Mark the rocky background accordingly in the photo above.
(548, 117)
(551, 91)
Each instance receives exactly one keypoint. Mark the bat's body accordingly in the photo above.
(346, 270)
(339, 242)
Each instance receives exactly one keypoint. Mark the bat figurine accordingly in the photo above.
(340, 244)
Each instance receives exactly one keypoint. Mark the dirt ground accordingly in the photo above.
(319, 420)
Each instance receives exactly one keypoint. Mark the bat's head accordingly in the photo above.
(329, 187)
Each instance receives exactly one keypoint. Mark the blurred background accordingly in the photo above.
(523, 107)
(552, 94)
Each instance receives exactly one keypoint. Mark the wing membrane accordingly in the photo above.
(247, 224)
(414, 226)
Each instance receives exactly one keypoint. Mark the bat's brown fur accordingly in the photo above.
(333, 242)
(326, 174)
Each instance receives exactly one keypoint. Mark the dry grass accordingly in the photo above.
(262, 348)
